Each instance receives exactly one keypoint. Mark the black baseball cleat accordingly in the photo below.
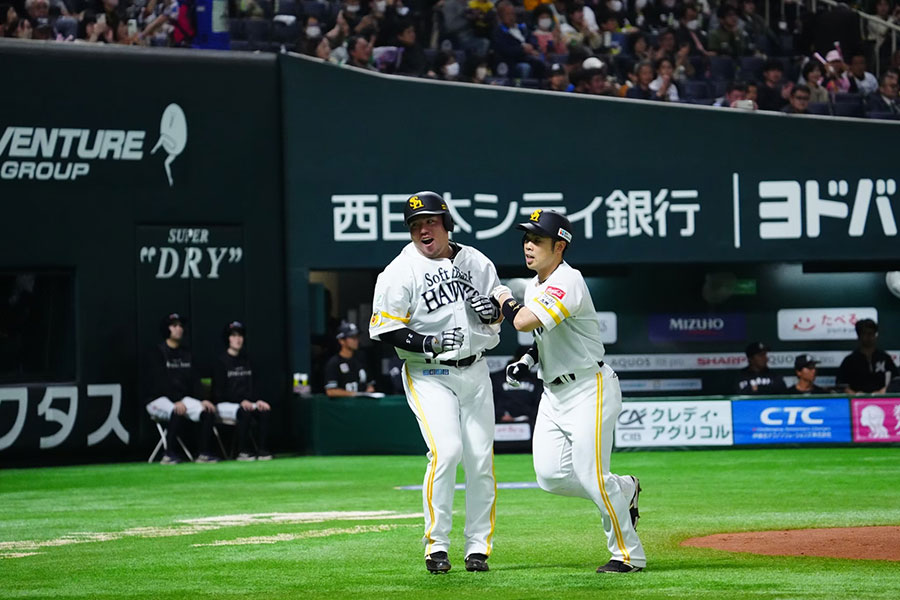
(617, 566)
(477, 562)
(633, 507)
(437, 562)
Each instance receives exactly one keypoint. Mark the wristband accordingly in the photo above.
(510, 309)
(527, 359)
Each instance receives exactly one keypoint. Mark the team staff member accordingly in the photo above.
(868, 369)
(233, 392)
(344, 374)
(581, 400)
(805, 368)
(756, 377)
(431, 304)
(175, 391)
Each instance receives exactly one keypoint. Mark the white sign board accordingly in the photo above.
(677, 423)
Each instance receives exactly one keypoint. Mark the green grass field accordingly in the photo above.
(118, 531)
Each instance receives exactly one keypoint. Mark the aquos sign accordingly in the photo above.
(68, 153)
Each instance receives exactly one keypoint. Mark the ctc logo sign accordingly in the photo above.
(776, 415)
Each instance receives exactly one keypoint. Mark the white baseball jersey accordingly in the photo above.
(429, 296)
(453, 405)
(569, 339)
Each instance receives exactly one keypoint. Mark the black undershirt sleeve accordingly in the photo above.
(407, 339)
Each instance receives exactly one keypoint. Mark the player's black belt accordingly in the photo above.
(464, 362)
(569, 377)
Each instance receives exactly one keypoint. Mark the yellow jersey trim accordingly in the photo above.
(429, 489)
(598, 459)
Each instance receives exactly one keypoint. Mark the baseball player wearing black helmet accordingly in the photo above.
(582, 399)
(427, 203)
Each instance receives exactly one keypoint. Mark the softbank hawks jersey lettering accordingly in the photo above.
(569, 339)
(430, 295)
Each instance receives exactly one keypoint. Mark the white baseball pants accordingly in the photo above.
(455, 410)
(573, 438)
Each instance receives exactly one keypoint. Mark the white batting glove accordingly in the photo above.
(485, 308)
(445, 341)
(499, 291)
(515, 372)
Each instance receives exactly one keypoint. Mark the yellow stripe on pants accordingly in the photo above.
(599, 459)
(429, 490)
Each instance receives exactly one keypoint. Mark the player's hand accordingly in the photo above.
(208, 406)
(485, 308)
(446, 341)
(247, 405)
(500, 291)
(515, 373)
(263, 406)
(179, 408)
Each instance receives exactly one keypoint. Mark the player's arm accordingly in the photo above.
(409, 340)
(521, 317)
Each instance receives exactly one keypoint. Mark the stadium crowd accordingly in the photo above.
(722, 53)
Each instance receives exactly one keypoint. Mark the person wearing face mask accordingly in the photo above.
(690, 32)
(446, 67)
(396, 16)
(477, 70)
(546, 31)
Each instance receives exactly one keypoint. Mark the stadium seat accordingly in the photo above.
(268, 8)
(312, 8)
(530, 83)
(751, 68)
(848, 97)
(285, 7)
(496, 80)
(236, 29)
(258, 32)
(286, 34)
(848, 109)
(164, 445)
(460, 57)
(718, 87)
(430, 56)
(701, 67)
(696, 90)
(240, 46)
(819, 108)
(721, 67)
(889, 116)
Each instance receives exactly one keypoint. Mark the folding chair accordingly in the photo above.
(164, 444)
(234, 438)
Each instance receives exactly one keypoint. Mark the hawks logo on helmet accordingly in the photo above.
(536, 215)
(415, 203)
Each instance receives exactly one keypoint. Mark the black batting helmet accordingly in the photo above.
(548, 223)
(427, 203)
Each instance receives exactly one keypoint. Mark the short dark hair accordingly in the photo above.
(735, 86)
(809, 68)
(773, 64)
(800, 88)
(866, 324)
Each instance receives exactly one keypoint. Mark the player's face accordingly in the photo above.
(539, 251)
(235, 341)
(760, 360)
(351, 342)
(176, 331)
(430, 237)
(807, 374)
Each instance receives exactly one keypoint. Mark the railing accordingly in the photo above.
(893, 27)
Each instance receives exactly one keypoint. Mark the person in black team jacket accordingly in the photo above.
(233, 394)
(345, 375)
(868, 369)
(805, 368)
(174, 391)
(756, 378)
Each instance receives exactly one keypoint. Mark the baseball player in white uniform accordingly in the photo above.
(431, 304)
(573, 433)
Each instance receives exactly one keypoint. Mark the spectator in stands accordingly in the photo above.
(345, 375)
(799, 101)
(249, 9)
(753, 92)
(728, 39)
(576, 30)
(734, 91)
(805, 369)
(446, 66)
(773, 94)
(8, 17)
(413, 62)
(23, 30)
(665, 46)
(756, 378)
(318, 47)
(477, 70)
(514, 45)
(661, 13)
(592, 78)
(664, 85)
(689, 32)
(610, 35)
(760, 36)
(812, 77)
(111, 12)
(37, 12)
(235, 398)
(861, 81)
(359, 52)
(338, 34)
(644, 74)
(837, 78)
(885, 99)
(547, 31)
(879, 33)
(868, 369)
(516, 404)
(458, 26)
(559, 79)
(175, 391)
(483, 17)
(637, 47)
